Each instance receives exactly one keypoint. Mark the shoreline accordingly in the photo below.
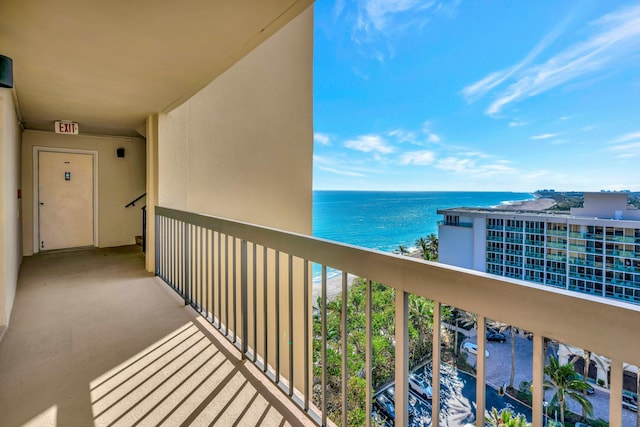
(334, 284)
(538, 204)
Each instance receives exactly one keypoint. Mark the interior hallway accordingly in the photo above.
(94, 339)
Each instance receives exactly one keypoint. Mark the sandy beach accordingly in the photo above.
(334, 287)
(539, 204)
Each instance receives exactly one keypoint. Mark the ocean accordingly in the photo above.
(384, 220)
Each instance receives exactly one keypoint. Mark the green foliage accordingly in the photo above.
(505, 418)
(382, 343)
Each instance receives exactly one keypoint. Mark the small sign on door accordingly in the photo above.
(67, 176)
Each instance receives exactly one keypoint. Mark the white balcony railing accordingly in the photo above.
(254, 282)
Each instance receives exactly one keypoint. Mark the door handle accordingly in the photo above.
(41, 203)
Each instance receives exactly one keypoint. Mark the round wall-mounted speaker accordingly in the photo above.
(6, 71)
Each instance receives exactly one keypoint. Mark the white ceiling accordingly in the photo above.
(108, 64)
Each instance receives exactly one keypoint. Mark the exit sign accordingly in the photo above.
(70, 128)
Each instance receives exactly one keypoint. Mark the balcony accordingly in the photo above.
(95, 340)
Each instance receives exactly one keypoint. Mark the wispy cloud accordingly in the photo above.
(514, 124)
(545, 136)
(403, 136)
(483, 86)
(321, 138)
(342, 172)
(613, 38)
(627, 146)
(382, 20)
(628, 137)
(420, 158)
(469, 166)
(370, 143)
(431, 136)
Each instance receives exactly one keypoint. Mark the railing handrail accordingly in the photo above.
(133, 202)
(558, 314)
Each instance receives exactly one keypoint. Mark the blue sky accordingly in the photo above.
(477, 95)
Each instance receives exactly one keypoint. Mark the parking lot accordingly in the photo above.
(498, 371)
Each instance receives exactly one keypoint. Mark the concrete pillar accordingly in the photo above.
(154, 132)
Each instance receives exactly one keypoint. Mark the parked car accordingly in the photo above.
(473, 348)
(385, 406)
(420, 386)
(629, 402)
(496, 336)
(590, 389)
(390, 393)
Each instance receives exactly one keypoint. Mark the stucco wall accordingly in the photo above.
(10, 206)
(120, 180)
(455, 246)
(242, 148)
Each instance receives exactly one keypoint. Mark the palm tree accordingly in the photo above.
(402, 250)
(505, 418)
(566, 384)
(428, 247)
(586, 356)
(502, 327)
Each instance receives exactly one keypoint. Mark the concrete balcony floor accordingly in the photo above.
(96, 340)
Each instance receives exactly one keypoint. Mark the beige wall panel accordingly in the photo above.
(242, 148)
(120, 180)
(10, 206)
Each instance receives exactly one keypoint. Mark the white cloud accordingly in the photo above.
(545, 136)
(369, 143)
(615, 37)
(376, 21)
(469, 166)
(627, 146)
(421, 158)
(342, 172)
(483, 86)
(628, 137)
(431, 136)
(321, 138)
(514, 124)
(378, 12)
(404, 136)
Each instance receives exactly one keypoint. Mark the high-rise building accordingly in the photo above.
(594, 249)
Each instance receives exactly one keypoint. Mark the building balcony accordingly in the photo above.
(556, 232)
(534, 230)
(95, 340)
(456, 224)
(223, 334)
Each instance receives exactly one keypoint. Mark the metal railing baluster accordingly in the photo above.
(323, 314)
(255, 302)
(343, 337)
(290, 334)
(306, 335)
(219, 281)
(226, 284)
(277, 309)
(265, 306)
(244, 289)
(368, 353)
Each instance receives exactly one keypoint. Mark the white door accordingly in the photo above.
(65, 200)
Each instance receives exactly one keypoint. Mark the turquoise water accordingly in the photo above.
(384, 220)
